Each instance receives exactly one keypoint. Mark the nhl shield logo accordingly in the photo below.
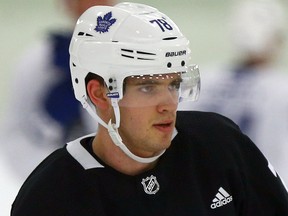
(150, 185)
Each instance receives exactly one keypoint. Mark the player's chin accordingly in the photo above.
(165, 142)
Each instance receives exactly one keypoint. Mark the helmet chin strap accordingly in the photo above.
(113, 131)
(86, 105)
(116, 138)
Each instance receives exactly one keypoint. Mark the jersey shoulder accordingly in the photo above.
(204, 121)
(210, 132)
(205, 132)
(52, 184)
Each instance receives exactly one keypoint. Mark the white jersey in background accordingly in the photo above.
(257, 100)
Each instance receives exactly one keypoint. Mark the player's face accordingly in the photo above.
(148, 113)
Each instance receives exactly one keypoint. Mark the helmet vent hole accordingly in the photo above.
(170, 38)
(145, 53)
(183, 63)
(83, 33)
(127, 56)
(127, 50)
(128, 53)
(73, 64)
(76, 81)
(144, 59)
(169, 64)
(139, 55)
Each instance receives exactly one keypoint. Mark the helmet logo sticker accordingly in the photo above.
(150, 185)
(104, 23)
(179, 53)
(162, 24)
(113, 95)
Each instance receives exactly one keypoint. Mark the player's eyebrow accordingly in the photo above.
(148, 80)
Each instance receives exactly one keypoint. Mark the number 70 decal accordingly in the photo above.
(163, 24)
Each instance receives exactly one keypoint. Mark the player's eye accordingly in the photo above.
(148, 89)
(175, 85)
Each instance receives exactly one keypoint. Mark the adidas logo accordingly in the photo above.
(222, 198)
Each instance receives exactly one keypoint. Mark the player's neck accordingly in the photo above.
(113, 156)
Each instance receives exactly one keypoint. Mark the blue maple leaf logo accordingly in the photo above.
(104, 23)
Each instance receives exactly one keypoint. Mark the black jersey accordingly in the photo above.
(210, 169)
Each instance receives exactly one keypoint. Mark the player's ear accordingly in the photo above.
(97, 94)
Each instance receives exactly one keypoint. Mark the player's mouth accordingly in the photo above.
(166, 126)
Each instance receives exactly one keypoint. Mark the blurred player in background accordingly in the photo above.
(254, 90)
(42, 104)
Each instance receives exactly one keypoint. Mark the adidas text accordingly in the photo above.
(221, 202)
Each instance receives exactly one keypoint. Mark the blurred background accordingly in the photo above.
(204, 22)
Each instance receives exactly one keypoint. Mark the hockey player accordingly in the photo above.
(130, 66)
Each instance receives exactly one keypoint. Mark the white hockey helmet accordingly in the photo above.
(127, 40)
